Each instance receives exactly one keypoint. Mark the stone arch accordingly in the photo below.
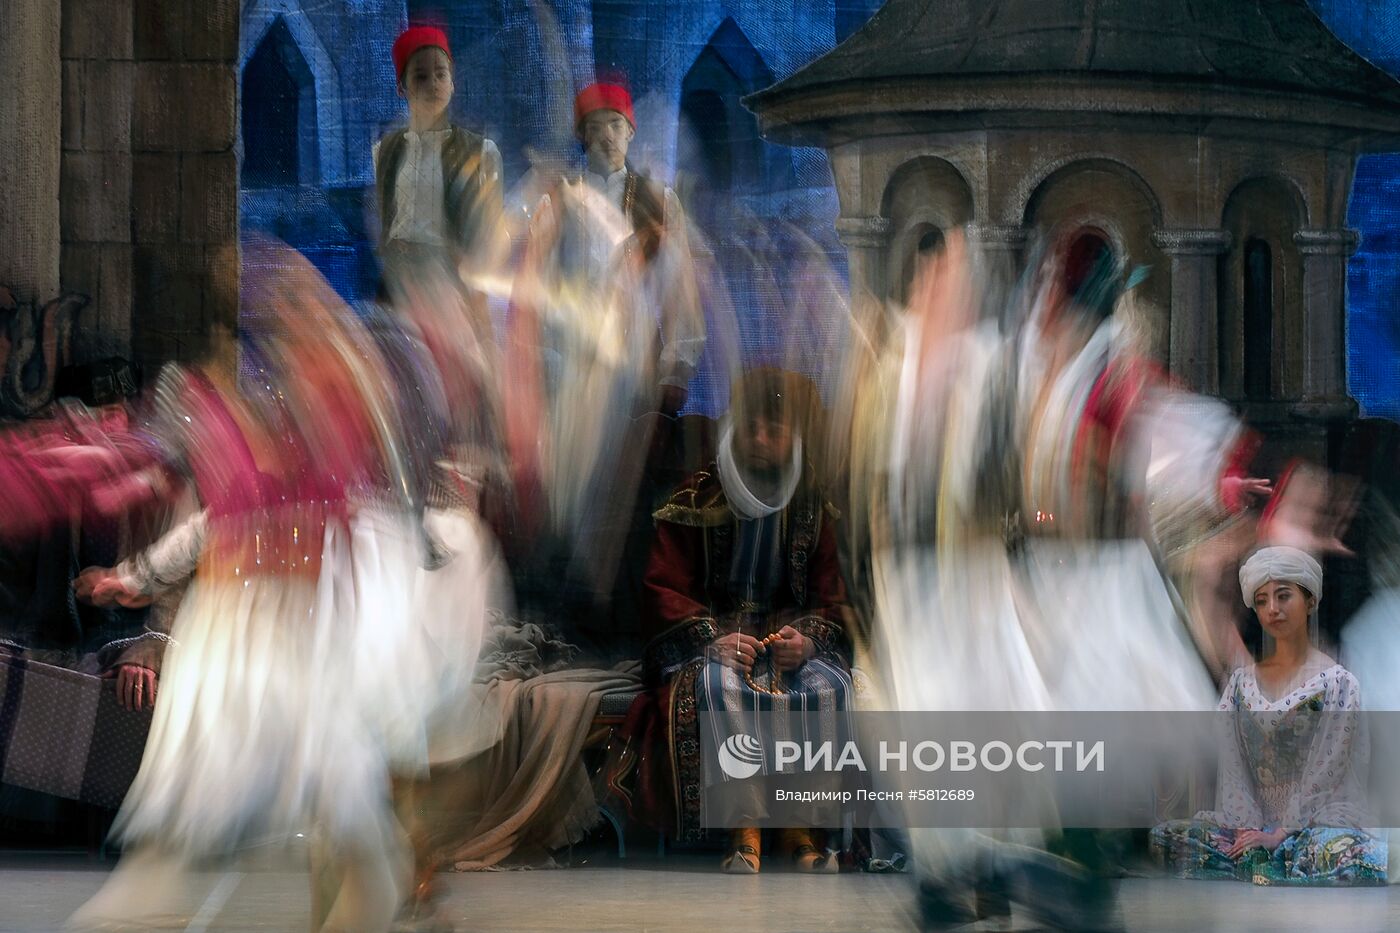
(924, 199)
(707, 155)
(1284, 189)
(1109, 198)
(277, 113)
(719, 148)
(257, 20)
(1094, 191)
(1262, 331)
(1033, 183)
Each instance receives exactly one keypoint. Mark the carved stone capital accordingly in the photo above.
(867, 232)
(1327, 242)
(1180, 241)
(1010, 237)
(1326, 408)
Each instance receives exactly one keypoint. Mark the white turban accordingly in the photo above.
(1286, 564)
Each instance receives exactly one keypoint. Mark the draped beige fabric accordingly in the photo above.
(528, 792)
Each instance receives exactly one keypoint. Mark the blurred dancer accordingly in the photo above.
(606, 333)
(443, 241)
(1095, 457)
(613, 217)
(1009, 514)
(1370, 641)
(312, 646)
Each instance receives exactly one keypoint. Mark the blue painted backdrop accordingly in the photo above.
(318, 89)
(1372, 28)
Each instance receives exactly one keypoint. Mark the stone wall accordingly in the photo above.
(149, 176)
(29, 173)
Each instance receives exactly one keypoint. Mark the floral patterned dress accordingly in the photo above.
(1296, 762)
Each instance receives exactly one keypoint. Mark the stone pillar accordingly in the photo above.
(184, 185)
(999, 249)
(999, 243)
(31, 108)
(1324, 254)
(1194, 344)
(96, 217)
(866, 240)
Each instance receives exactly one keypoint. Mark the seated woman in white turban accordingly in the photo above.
(1290, 788)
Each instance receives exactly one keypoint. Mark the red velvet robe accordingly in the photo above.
(687, 605)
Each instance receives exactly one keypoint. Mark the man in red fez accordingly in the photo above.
(608, 246)
(438, 184)
(441, 228)
(605, 123)
(651, 235)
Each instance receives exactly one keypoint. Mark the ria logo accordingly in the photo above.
(741, 756)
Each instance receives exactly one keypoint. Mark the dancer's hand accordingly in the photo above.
(1240, 491)
(1254, 839)
(1310, 511)
(101, 587)
(545, 223)
(738, 651)
(136, 685)
(78, 463)
(87, 581)
(792, 649)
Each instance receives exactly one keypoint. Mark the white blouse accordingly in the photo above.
(666, 294)
(169, 560)
(1327, 788)
(420, 205)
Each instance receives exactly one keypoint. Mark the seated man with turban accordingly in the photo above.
(744, 605)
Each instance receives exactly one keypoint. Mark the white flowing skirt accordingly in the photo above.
(1065, 626)
(285, 702)
(950, 635)
(1108, 630)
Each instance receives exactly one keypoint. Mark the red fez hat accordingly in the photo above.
(415, 38)
(603, 97)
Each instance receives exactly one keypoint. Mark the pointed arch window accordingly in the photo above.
(278, 112)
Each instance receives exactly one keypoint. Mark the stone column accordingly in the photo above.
(184, 187)
(866, 240)
(31, 113)
(998, 241)
(999, 249)
(1324, 254)
(96, 220)
(1194, 344)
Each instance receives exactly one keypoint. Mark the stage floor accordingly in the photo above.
(37, 892)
